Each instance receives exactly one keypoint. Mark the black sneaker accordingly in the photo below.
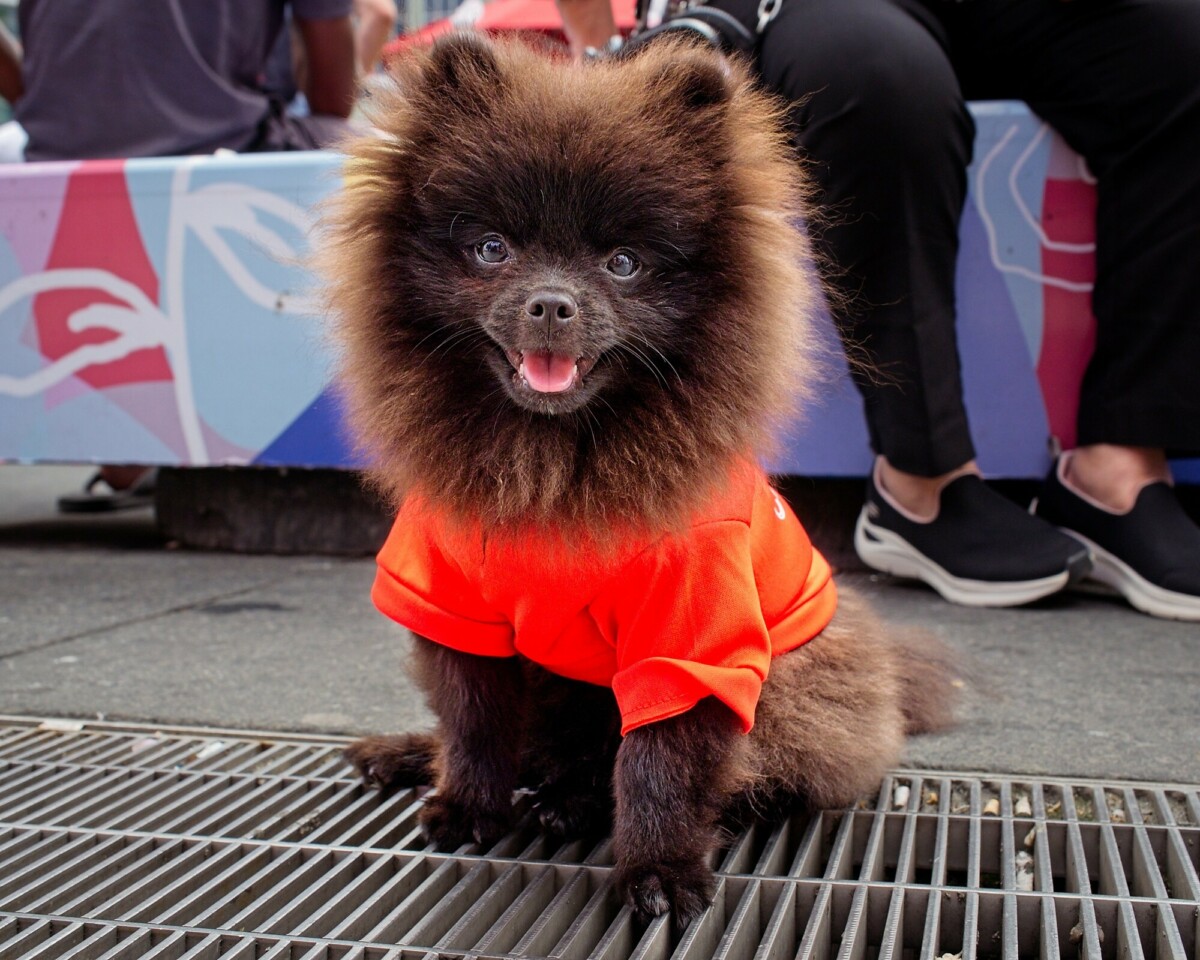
(1150, 555)
(981, 550)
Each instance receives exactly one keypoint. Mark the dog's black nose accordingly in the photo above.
(555, 308)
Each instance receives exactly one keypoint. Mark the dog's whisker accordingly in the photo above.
(645, 361)
(665, 359)
(458, 336)
(439, 330)
(589, 418)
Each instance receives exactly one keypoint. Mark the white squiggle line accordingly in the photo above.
(1060, 245)
(82, 278)
(136, 327)
(120, 320)
(208, 219)
(272, 203)
(145, 325)
(70, 364)
(185, 395)
(245, 281)
(990, 227)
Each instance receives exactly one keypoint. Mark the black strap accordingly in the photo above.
(729, 25)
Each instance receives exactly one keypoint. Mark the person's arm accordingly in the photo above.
(11, 85)
(587, 23)
(331, 82)
(374, 22)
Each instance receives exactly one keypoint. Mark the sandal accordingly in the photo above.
(138, 494)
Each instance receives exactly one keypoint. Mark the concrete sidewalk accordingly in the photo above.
(99, 617)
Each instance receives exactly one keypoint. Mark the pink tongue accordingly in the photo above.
(548, 372)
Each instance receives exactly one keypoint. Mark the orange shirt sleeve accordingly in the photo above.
(687, 624)
(419, 585)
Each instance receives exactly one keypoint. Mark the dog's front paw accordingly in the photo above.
(449, 823)
(683, 888)
(406, 760)
(567, 812)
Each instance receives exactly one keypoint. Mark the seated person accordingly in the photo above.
(878, 92)
(131, 78)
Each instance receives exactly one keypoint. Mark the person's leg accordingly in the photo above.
(879, 115)
(1118, 500)
(1121, 82)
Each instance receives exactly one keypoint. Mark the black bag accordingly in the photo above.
(731, 26)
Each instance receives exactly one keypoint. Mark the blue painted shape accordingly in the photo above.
(1186, 471)
(1000, 386)
(1005, 134)
(829, 438)
(316, 438)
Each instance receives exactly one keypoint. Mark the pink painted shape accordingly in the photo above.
(31, 200)
(1069, 328)
(65, 391)
(152, 404)
(98, 229)
(221, 450)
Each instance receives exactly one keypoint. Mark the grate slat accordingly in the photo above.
(314, 913)
(136, 945)
(20, 940)
(123, 842)
(43, 874)
(550, 926)
(370, 915)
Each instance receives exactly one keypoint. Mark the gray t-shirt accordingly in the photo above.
(141, 78)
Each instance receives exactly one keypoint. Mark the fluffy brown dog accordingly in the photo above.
(572, 301)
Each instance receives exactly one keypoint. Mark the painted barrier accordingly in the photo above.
(157, 311)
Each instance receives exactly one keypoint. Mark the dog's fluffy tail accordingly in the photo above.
(833, 714)
(932, 679)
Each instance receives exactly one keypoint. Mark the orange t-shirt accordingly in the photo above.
(664, 621)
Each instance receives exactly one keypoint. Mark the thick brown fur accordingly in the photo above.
(673, 154)
(676, 156)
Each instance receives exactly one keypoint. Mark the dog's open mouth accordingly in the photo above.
(546, 372)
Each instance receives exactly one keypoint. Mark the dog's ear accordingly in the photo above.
(463, 68)
(696, 79)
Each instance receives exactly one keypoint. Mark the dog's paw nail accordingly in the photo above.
(649, 897)
(683, 890)
(448, 824)
(559, 822)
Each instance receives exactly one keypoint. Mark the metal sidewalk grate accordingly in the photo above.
(122, 842)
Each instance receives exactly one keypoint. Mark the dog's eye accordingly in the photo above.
(623, 264)
(492, 250)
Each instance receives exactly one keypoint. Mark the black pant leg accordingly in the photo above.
(879, 113)
(1120, 80)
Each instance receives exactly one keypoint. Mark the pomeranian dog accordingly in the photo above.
(572, 303)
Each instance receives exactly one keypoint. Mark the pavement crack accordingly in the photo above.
(145, 618)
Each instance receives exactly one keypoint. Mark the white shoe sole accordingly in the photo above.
(888, 552)
(1140, 592)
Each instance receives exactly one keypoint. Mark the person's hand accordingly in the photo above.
(613, 46)
(587, 24)
(11, 86)
(329, 54)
